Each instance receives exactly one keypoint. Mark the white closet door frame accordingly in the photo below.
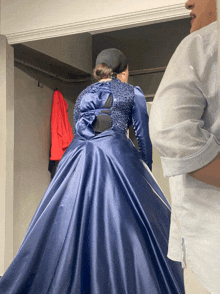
(6, 153)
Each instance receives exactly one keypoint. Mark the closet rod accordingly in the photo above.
(149, 97)
(147, 71)
(131, 73)
(50, 73)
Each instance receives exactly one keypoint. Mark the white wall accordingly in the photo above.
(31, 20)
(41, 13)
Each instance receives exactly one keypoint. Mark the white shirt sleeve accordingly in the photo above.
(178, 127)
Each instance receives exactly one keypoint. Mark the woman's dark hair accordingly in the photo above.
(102, 71)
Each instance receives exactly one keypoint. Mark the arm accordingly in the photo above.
(140, 123)
(178, 125)
(209, 174)
(76, 112)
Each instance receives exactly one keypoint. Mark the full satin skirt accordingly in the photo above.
(101, 227)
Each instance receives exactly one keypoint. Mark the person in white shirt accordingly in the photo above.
(185, 129)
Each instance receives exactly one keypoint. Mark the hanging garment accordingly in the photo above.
(103, 223)
(61, 131)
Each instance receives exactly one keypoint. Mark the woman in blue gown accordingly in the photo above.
(103, 223)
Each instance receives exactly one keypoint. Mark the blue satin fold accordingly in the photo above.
(100, 227)
(84, 126)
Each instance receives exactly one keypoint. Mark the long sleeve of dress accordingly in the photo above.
(140, 123)
(184, 120)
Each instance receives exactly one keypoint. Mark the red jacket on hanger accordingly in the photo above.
(61, 131)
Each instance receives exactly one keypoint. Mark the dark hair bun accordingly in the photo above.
(102, 71)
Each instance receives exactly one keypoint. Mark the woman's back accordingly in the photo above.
(113, 99)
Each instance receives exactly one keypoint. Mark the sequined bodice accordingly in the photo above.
(91, 103)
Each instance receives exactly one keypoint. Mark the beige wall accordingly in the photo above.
(157, 169)
(32, 143)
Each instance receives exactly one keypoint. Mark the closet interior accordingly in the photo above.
(65, 63)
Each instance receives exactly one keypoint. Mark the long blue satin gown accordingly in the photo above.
(102, 226)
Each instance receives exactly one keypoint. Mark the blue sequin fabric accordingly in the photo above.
(123, 100)
(122, 103)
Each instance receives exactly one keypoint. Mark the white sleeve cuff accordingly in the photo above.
(187, 164)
